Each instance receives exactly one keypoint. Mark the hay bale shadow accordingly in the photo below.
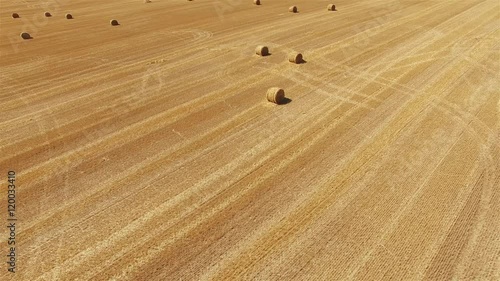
(285, 100)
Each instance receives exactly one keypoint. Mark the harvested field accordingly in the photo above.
(150, 151)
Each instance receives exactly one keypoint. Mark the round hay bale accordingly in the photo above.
(15, 15)
(275, 95)
(47, 14)
(293, 9)
(114, 22)
(295, 58)
(256, 2)
(331, 7)
(25, 35)
(69, 16)
(147, 1)
(262, 51)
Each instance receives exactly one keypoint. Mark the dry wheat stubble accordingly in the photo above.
(438, 104)
(45, 125)
(499, 103)
(50, 123)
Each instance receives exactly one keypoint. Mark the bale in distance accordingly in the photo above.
(47, 14)
(114, 22)
(331, 7)
(25, 35)
(256, 2)
(69, 16)
(275, 95)
(295, 58)
(262, 51)
(147, 1)
(293, 9)
(15, 15)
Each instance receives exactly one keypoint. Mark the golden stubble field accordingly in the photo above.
(147, 150)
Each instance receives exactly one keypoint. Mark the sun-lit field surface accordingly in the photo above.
(148, 150)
